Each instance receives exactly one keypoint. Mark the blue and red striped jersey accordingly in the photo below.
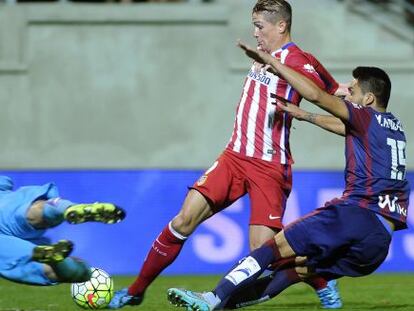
(375, 163)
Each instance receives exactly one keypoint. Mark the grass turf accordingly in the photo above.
(375, 292)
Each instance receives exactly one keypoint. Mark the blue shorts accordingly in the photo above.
(340, 240)
(18, 237)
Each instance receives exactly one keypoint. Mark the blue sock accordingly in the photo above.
(282, 280)
(248, 295)
(53, 210)
(247, 271)
(72, 270)
(261, 290)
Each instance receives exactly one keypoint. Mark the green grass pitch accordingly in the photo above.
(375, 292)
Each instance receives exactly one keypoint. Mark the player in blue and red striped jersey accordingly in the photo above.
(349, 236)
(257, 160)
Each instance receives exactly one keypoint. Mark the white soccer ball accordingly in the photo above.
(95, 293)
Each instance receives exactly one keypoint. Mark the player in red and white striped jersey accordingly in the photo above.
(257, 159)
(259, 130)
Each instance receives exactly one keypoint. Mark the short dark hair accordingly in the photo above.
(376, 81)
(280, 9)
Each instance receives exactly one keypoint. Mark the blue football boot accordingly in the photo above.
(191, 300)
(121, 299)
(329, 296)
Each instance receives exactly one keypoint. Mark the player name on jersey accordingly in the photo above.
(392, 124)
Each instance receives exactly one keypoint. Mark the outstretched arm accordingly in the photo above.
(326, 122)
(303, 85)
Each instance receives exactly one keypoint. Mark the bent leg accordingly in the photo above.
(251, 267)
(245, 273)
(264, 288)
(16, 262)
(168, 244)
(215, 190)
(44, 214)
(253, 293)
(18, 265)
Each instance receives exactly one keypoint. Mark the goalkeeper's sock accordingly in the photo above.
(53, 211)
(163, 252)
(72, 270)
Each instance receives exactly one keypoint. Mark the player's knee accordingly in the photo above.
(184, 224)
(50, 273)
(194, 211)
(188, 219)
(34, 214)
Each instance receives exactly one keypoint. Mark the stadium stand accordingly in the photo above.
(409, 11)
(104, 1)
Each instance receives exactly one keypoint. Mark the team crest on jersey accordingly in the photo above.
(202, 180)
(309, 68)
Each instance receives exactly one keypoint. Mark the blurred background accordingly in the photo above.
(129, 101)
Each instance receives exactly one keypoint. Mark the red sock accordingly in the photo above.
(283, 263)
(163, 252)
(317, 282)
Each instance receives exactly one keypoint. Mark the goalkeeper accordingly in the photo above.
(26, 256)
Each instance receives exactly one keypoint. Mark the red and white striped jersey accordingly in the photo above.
(259, 130)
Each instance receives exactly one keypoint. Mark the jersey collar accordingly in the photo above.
(286, 46)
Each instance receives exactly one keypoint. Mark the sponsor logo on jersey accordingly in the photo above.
(385, 202)
(262, 78)
(392, 124)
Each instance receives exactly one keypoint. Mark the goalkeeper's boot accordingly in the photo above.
(101, 212)
(121, 299)
(329, 296)
(51, 254)
(191, 300)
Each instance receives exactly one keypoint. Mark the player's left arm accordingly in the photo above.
(302, 84)
(326, 122)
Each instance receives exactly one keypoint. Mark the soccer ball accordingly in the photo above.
(95, 293)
